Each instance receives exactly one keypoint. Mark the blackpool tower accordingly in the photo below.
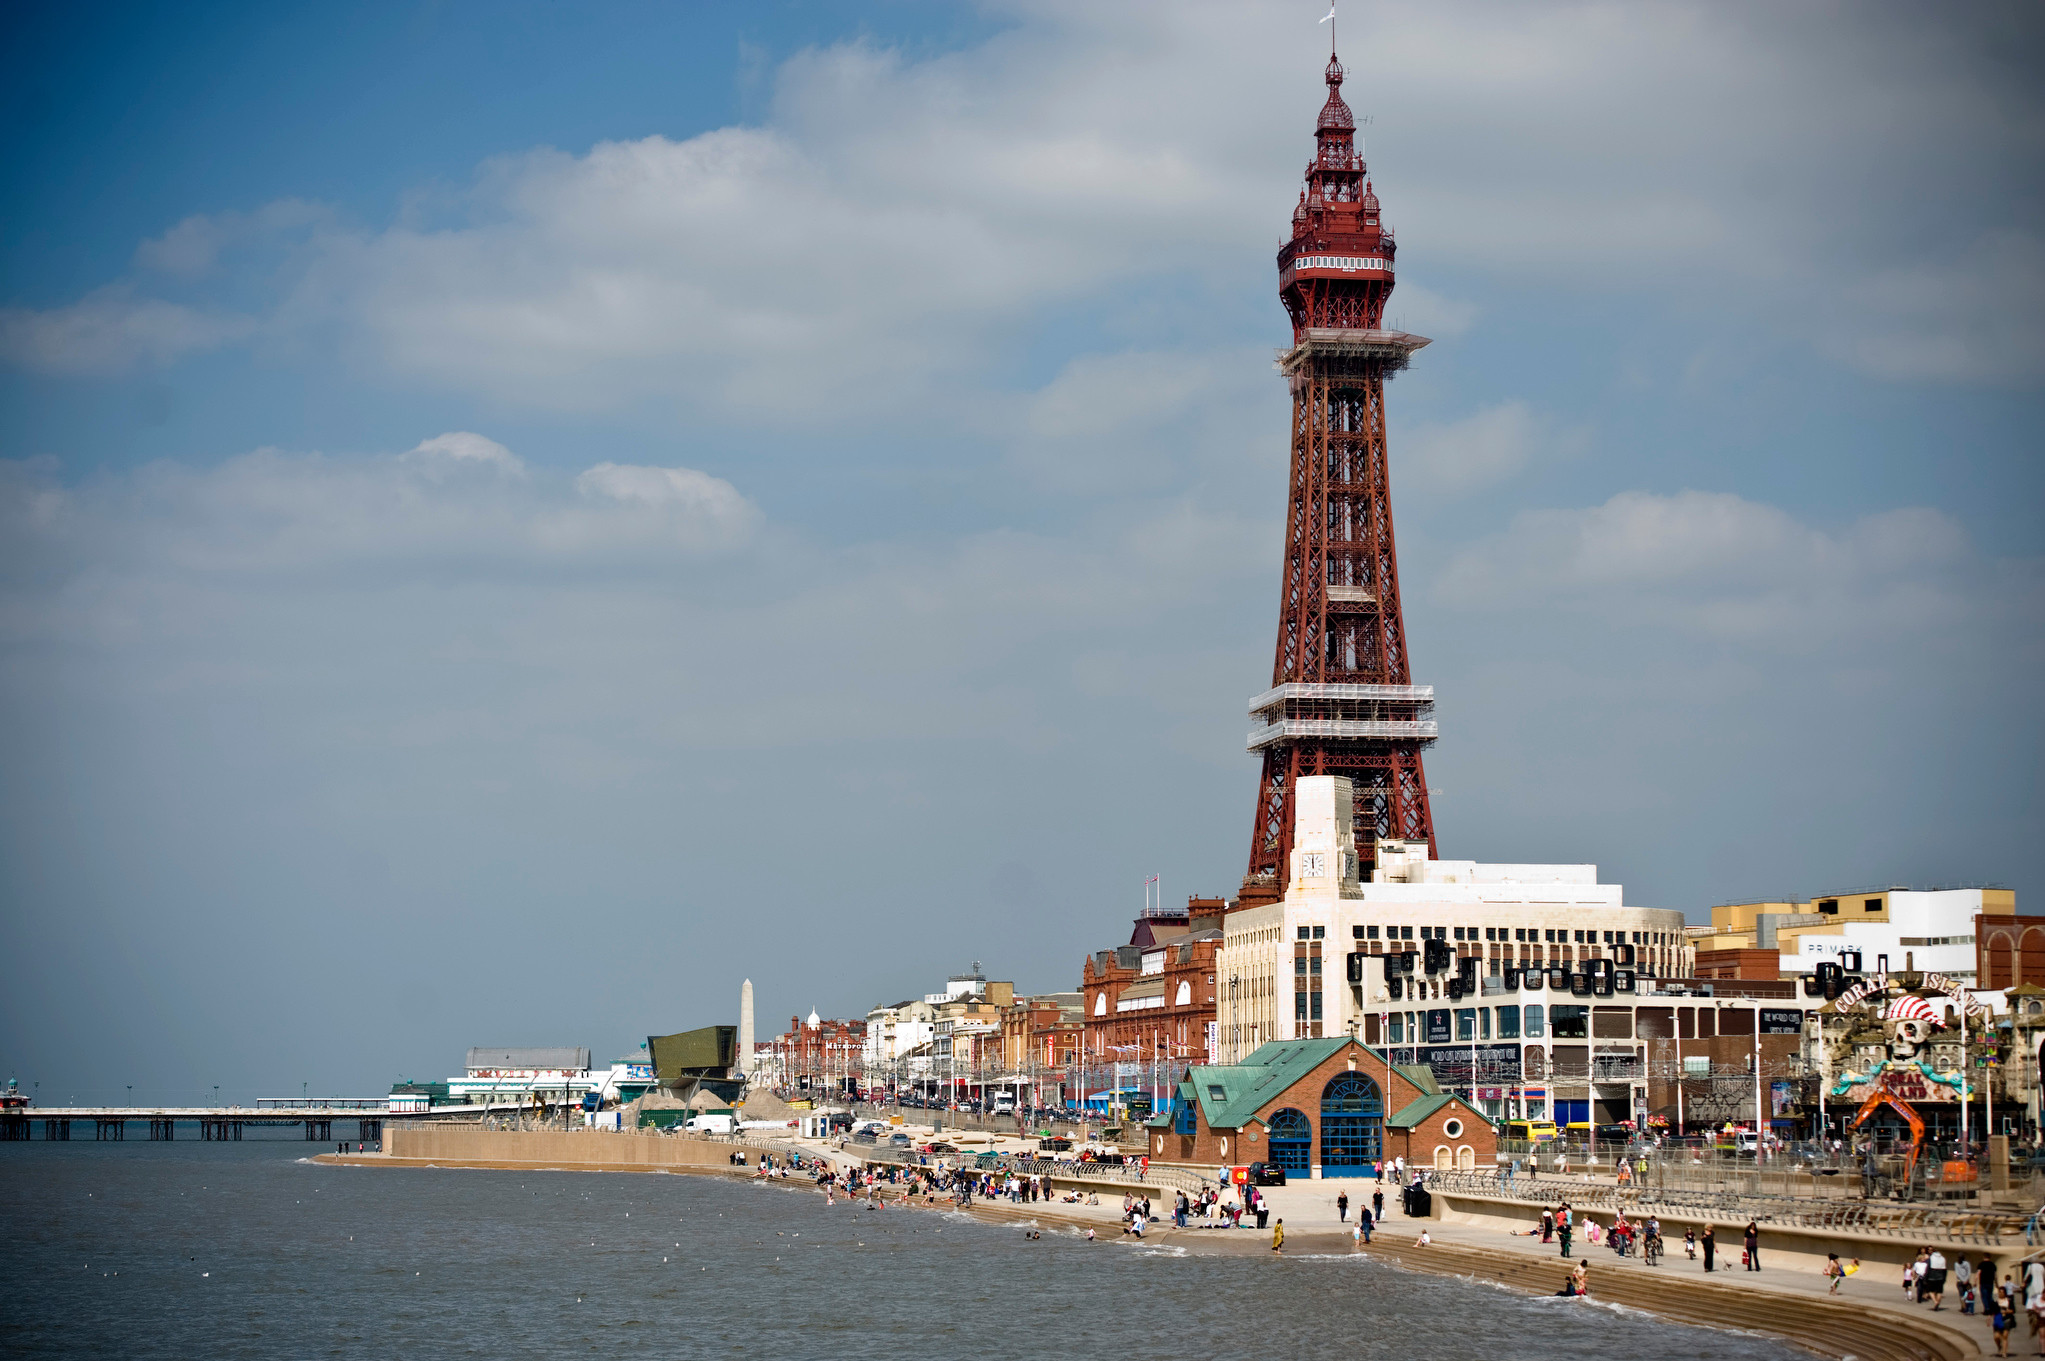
(1342, 699)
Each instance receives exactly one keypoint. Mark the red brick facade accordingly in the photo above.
(1133, 1017)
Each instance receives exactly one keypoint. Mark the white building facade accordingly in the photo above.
(1282, 967)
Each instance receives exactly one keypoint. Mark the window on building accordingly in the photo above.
(1405, 933)
(1299, 964)
(1873, 905)
(1305, 934)
(1579, 938)
(1373, 932)
(1315, 998)
(1299, 1006)
(1829, 906)
(1459, 933)
(1397, 1028)
(1570, 1023)
(1357, 932)
(1551, 937)
(1532, 1028)
(1466, 1023)
(1484, 1023)
(1316, 965)
(1508, 1023)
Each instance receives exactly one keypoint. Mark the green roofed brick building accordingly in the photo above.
(1328, 1107)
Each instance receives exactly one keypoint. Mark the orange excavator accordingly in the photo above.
(1910, 1117)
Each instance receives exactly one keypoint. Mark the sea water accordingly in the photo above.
(248, 1250)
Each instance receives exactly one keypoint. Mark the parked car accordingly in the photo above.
(865, 1136)
(899, 1140)
(1266, 1174)
(938, 1146)
(1056, 1143)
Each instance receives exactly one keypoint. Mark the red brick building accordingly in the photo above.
(818, 1055)
(2008, 950)
(1319, 1108)
(1758, 965)
(1151, 1001)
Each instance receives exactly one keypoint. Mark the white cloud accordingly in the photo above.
(458, 447)
(271, 512)
(1973, 315)
(1482, 449)
(1717, 565)
(894, 221)
(112, 330)
(194, 246)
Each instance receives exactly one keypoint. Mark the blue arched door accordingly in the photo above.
(1292, 1141)
(1352, 1126)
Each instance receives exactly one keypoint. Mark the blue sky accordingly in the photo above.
(523, 518)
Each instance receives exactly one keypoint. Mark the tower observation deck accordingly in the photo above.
(1342, 699)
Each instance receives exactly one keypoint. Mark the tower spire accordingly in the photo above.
(1342, 699)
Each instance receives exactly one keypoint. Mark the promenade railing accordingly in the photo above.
(1887, 1219)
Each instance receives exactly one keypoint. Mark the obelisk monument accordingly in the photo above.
(745, 1028)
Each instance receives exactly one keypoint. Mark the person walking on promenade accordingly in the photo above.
(1563, 1224)
(1752, 1244)
(1547, 1226)
(1709, 1242)
(1834, 1272)
(1278, 1238)
(1935, 1280)
(1364, 1222)
(1377, 1197)
(2002, 1310)
(1963, 1279)
(1690, 1243)
(1342, 1207)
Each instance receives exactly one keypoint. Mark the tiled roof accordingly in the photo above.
(1416, 1111)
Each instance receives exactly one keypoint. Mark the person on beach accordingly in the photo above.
(1709, 1242)
(1424, 1240)
(1752, 1245)
(1342, 1207)
(1278, 1238)
(1365, 1222)
(1564, 1222)
(1547, 1225)
(1356, 1237)
(1834, 1272)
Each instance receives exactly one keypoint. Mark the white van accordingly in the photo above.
(1004, 1103)
(709, 1124)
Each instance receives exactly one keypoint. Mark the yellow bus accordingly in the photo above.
(1530, 1131)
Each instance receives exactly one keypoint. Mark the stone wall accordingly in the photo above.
(592, 1149)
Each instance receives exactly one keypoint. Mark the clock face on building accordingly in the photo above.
(1310, 864)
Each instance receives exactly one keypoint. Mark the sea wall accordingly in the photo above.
(592, 1150)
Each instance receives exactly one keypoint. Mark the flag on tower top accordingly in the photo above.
(1326, 17)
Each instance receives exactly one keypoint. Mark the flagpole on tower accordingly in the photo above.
(1329, 20)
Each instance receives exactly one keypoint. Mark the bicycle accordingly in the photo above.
(1651, 1249)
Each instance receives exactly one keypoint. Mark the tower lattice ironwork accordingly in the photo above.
(1342, 700)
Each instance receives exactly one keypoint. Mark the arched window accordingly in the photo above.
(1185, 994)
(1292, 1140)
(1101, 1004)
(1352, 1126)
